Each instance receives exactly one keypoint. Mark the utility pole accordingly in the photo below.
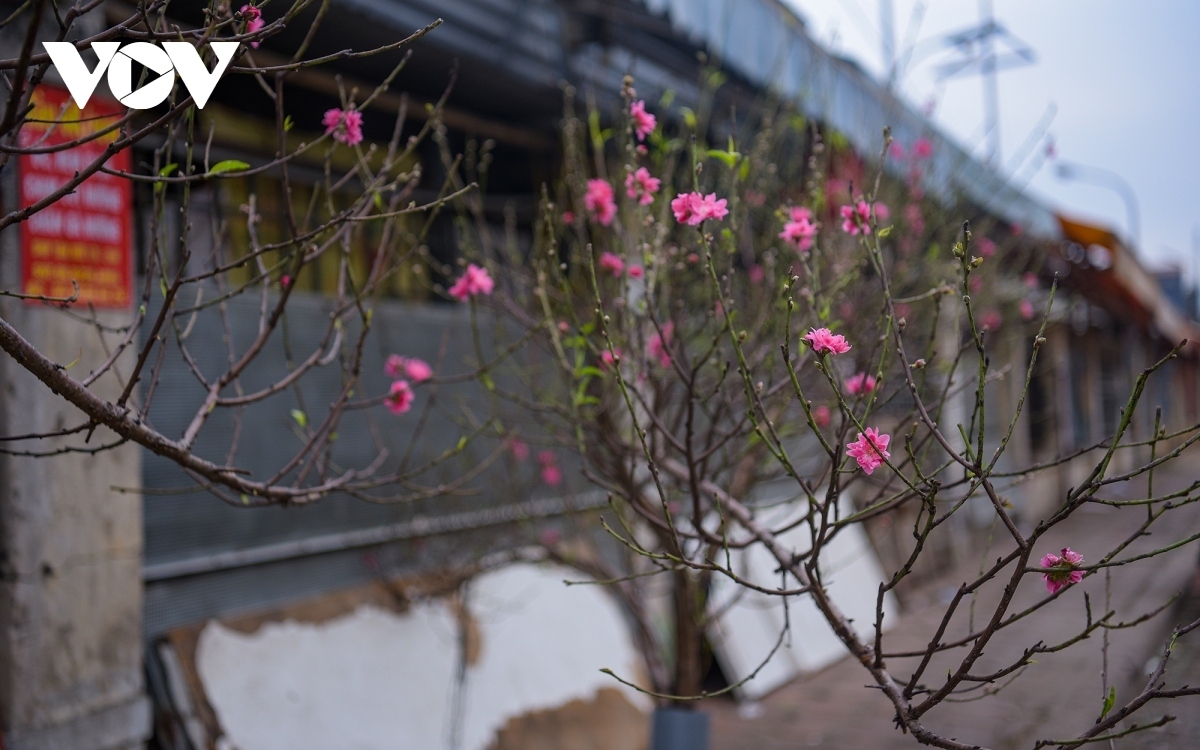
(887, 30)
(978, 50)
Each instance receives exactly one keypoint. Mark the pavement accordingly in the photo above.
(1057, 697)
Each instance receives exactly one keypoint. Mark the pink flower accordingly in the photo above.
(253, 18)
(860, 383)
(756, 274)
(800, 213)
(636, 272)
(393, 366)
(474, 282)
(914, 217)
(1026, 308)
(285, 281)
(607, 360)
(641, 149)
(1064, 573)
(824, 341)
(799, 231)
(987, 248)
(568, 217)
(643, 122)
(1031, 280)
(693, 208)
(520, 449)
(551, 474)
(922, 148)
(822, 416)
(642, 186)
(856, 218)
(896, 150)
(345, 125)
(870, 450)
(991, 320)
(693, 258)
(659, 343)
(400, 398)
(612, 263)
(882, 212)
(600, 202)
(563, 326)
(417, 370)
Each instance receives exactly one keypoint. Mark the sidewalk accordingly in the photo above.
(1057, 697)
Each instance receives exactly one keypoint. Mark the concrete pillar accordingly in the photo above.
(71, 673)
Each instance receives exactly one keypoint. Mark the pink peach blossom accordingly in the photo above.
(824, 341)
(345, 125)
(991, 320)
(799, 231)
(856, 219)
(1064, 569)
(1031, 280)
(822, 416)
(922, 148)
(1026, 308)
(607, 359)
(987, 248)
(612, 263)
(643, 122)
(551, 474)
(914, 217)
(870, 449)
(600, 202)
(658, 345)
(642, 186)
(568, 217)
(393, 366)
(636, 272)
(756, 274)
(417, 370)
(896, 150)
(882, 211)
(400, 398)
(860, 383)
(520, 449)
(693, 208)
(474, 282)
(254, 21)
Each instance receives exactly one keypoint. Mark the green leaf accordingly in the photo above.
(728, 158)
(587, 328)
(167, 170)
(229, 165)
(288, 123)
(462, 443)
(487, 381)
(884, 232)
(689, 117)
(589, 371)
(300, 417)
(744, 170)
(378, 202)
(1109, 701)
(667, 98)
(162, 287)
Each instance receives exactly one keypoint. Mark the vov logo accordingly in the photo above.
(166, 61)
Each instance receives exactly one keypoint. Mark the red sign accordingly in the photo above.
(85, 236)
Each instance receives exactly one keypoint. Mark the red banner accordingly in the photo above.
(86, 236)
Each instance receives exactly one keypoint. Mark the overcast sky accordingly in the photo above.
(1124, 77)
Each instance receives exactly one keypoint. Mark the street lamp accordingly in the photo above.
(1108, 179)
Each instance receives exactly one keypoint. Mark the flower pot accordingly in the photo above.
(679, 729)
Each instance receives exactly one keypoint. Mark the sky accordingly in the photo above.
(1122, 77)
